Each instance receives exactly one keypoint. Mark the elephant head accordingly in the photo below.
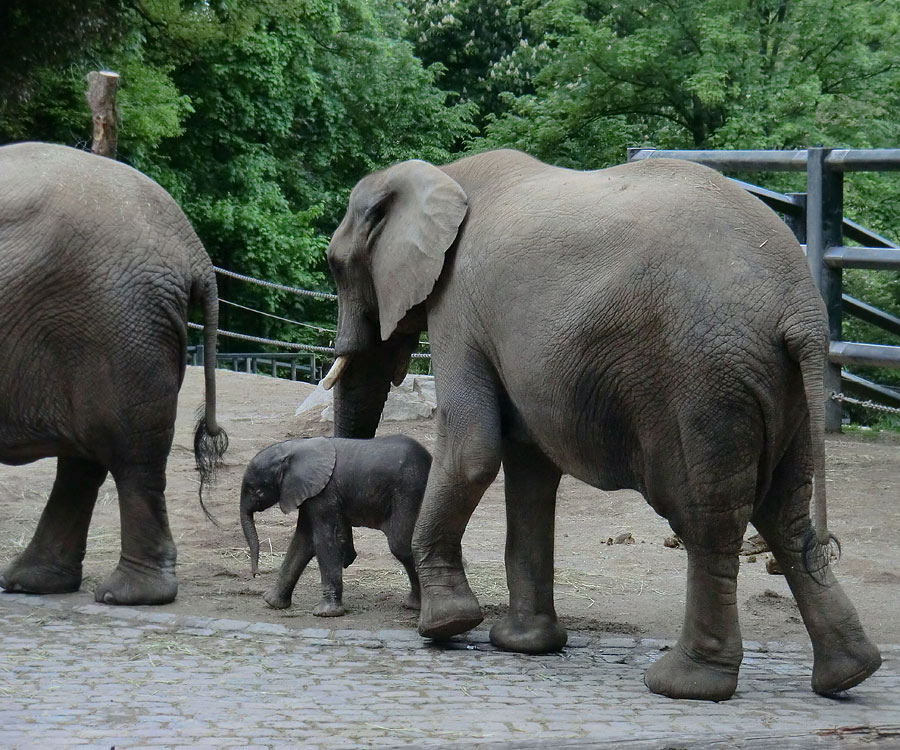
(287, 473)
(386, 257)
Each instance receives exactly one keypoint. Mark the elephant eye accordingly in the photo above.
(376, 213)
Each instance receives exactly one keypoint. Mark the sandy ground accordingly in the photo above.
(601, 587)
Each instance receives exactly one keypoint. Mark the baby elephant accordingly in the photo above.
(336, 484)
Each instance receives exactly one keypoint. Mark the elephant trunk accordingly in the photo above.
(361, 391)
(251, 536)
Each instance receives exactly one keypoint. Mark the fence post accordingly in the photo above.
(824, 229)
(797, 224)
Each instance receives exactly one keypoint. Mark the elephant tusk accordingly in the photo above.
(334, 373)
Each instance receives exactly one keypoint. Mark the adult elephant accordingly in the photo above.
(98, 267)
(649, 326)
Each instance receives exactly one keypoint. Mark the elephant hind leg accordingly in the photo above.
(146, 570)
(843, 656)
(710, 515)
(399, 530)
(51, 564)
(401, 549)
(704, 663)
(531, 625)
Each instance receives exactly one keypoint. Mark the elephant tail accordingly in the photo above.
(210, 439)
(809, 349)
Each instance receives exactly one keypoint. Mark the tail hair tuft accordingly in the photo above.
(209, 449)
(817, 556)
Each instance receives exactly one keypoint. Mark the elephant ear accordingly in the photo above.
(423, 209)
(306, 471)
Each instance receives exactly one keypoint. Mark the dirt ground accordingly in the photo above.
(632, 588)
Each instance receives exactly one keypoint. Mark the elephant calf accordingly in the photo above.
(336, 484)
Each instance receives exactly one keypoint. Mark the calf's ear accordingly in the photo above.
(306, 471)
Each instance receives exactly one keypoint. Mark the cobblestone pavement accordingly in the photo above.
(76, 675)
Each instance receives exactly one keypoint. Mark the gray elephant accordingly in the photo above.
(336, 484)
(648, 326)
(98, 267)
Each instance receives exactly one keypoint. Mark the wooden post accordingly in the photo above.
(101, 97)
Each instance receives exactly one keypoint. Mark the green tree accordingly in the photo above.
(471, 44)
(48, 49)
(706, 73)
(258, 117)
(291, 107)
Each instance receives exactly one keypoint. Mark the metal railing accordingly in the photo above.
(290, 365)
(817, 219)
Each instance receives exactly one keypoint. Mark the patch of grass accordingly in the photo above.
(861, 431)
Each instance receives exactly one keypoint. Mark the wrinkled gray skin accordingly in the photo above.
(649, 326)
(98, 267)
(336, 484)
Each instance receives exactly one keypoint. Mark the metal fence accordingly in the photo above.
(817, 219)
(306, 366)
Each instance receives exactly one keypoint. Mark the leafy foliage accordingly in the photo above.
(707, 73)
(260, 116)
(473, 45)
(257, 117)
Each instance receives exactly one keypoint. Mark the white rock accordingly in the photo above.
(414, 398)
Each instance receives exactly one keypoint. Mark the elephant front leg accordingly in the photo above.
(330, 554)
(704, 663)
(51, 564)
(466, 461)
(300, 552)
(146, 570)
(531, 626)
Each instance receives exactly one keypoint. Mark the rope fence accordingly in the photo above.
(864, 404)
(323, 351)
(273, 285)
(269, 342)
(319, 329)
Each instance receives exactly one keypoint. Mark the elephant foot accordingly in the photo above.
(412, 601)
(841, 669)
(678, 675)
(28, 577)
(276, 600)
(326, 608)
(132, 583)
(447, 612)
(534, 634)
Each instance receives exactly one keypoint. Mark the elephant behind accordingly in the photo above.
(98, 268)
(650, 326)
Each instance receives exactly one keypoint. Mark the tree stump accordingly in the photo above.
(101, 97)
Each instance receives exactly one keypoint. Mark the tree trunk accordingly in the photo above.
(101, 96)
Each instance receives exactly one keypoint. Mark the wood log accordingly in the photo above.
(101, 97)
